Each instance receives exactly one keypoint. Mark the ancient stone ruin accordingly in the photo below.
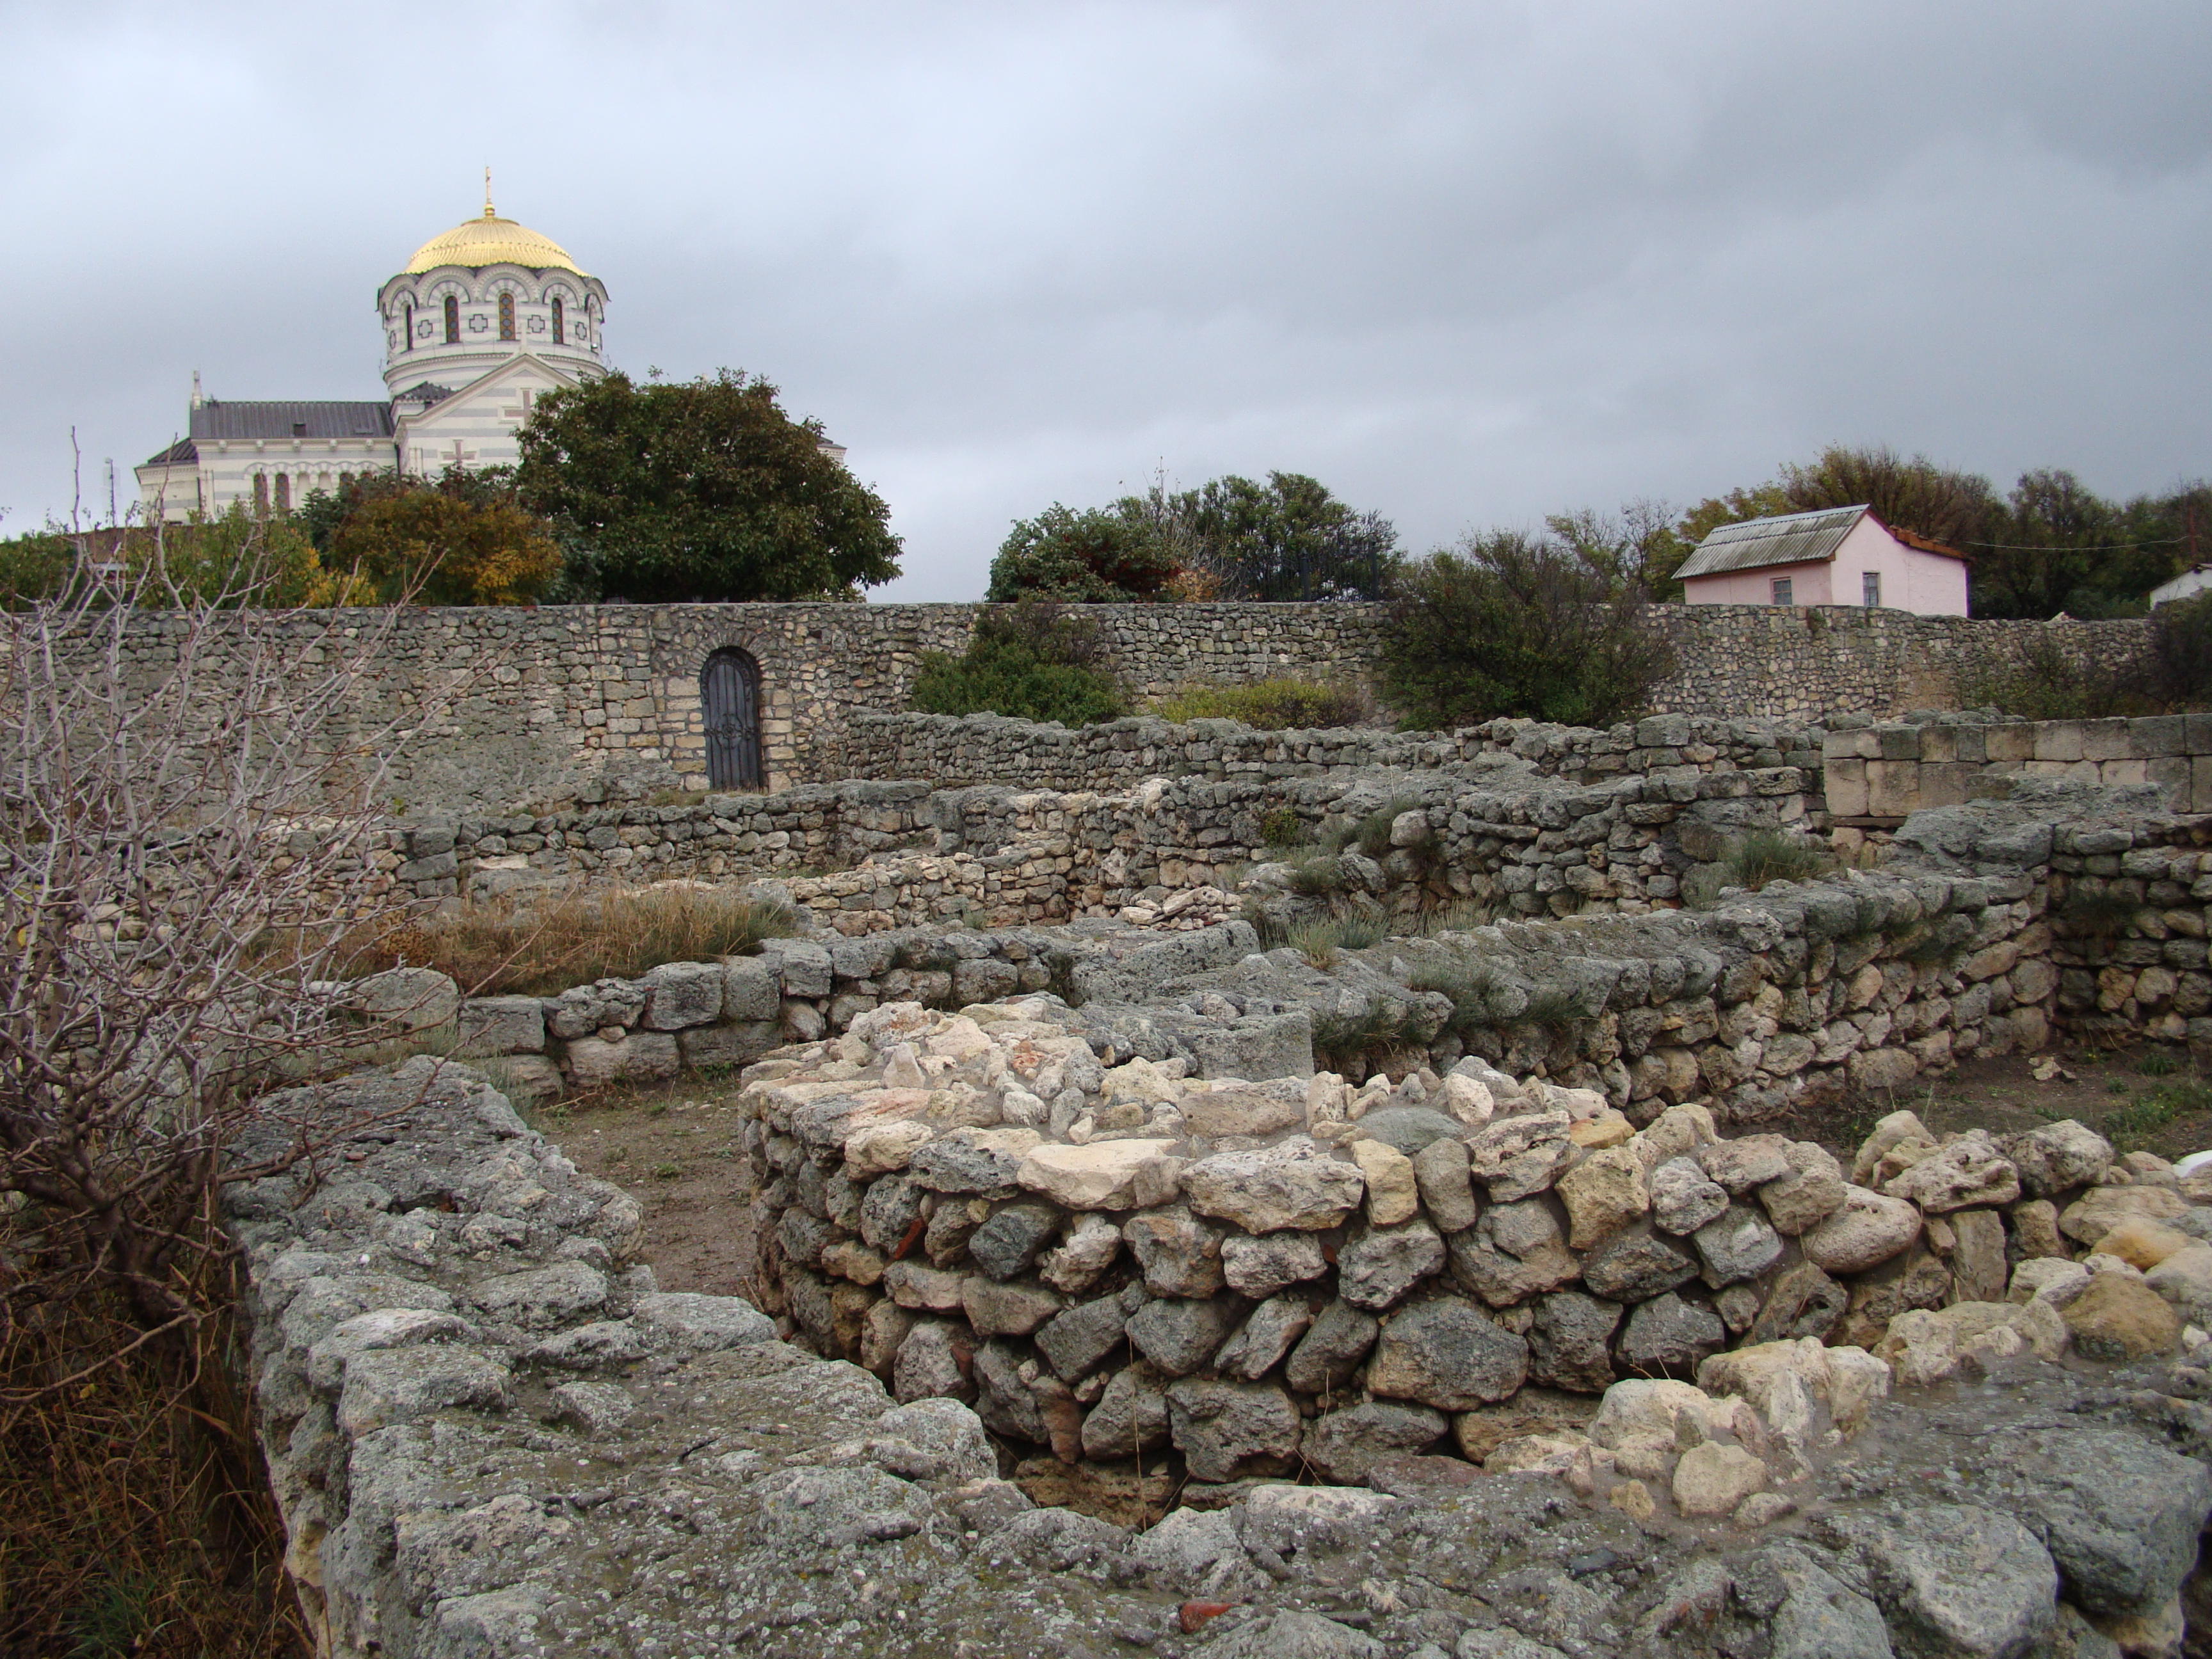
(1139, 1270)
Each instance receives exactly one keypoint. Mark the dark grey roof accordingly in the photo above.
(175, 455)
(322, 418)
(1794, 538)
(426, 392)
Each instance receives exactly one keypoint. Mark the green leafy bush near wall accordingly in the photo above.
(1513, 624)
(1032, 661)
(1279, 704)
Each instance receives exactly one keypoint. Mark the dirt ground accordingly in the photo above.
(676, 1150)
(676, 1147)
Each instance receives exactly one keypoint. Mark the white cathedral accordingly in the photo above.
(483, 320)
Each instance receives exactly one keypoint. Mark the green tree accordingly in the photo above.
(700, 489)
(432, 547)
(1514, 624)
(1097, 556)
(1939, 503)
(1289, 538)
(1640, 544)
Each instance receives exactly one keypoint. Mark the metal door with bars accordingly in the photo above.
(730, 693)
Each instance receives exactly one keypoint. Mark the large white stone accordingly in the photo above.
(1106, 1175)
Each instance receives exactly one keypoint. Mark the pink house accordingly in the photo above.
(1837, 555)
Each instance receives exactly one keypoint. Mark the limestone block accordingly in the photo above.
(1105, 1175)
(1869, 1230)
(1290, 1186)
(500, 1025)
(1603, 1194)
(1393, 1193)
(682, 994)
(639, 1057)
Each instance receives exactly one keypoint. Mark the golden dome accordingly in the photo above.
(492, 240)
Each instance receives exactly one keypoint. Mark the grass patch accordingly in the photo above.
(1355, 930)
(1347, 1043)
(1281, 829)
(1270, 705)
(2158, 1063)
(2154, 1110)
(1372, 832)
(1765, 855)
(1316, 875)
(501, 948)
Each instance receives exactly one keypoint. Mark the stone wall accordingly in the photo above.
(565, 703)
(1803, 663)
(981, 749)
(1889, 770)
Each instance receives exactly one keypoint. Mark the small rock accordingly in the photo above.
(1012, 1239)
(1262, 1266)
(980, 1161)
(1747, 1162)
(1130, 1416)
(1293, 1186)
(1513, 1251)
(1345, 1445)
(1516, 1157)
(2116, 1318)
(1446, 1353)
(1569, 1344)
(1106, 1175)
(1331, 1349)
(1090, 1249)
(1393, 1193)
(1264, 1338)
(1684, 1198)
(1636, 1265)
(1179, 1336)
(1668, 1336)
(1739, 1245)
(1291, 1636)
(1812, 1192)
(1447, 1191)
(1228, 1430)
(1804, 1302)
(1180, 1255)
(1633, 1500)
(2055, 1157)
(1603, 1194)
(1762, 1509)
(1375, 1270)
(1887, 1133)
(1712, 1478)
(1970, 1171)
(1869, 1230)
(2101, 1209)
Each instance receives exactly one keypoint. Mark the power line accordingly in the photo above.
(2109, 547)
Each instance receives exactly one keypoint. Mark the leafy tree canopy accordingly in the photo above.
(1232, 538)
(463, 538)
(699, 489)
(1097, 555)
(234, 558)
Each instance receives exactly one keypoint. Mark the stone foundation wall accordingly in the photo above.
(1892, 769)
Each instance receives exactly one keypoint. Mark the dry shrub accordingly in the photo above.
(502, 947)
(135, 1514)
(1279, 704)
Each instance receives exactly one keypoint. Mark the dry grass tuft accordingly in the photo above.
(538, 949)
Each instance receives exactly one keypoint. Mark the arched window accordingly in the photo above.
(560, 334)
(284, 493)
(452, 320)
(507, 316)
(730, 700)
(261, 492)
(407, 340)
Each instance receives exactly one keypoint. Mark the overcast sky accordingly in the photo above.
(1465, 263)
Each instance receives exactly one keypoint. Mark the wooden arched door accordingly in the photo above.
(729, 694)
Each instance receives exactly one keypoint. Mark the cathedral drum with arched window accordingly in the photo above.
(730, 699)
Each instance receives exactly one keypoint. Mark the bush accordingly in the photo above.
(1509, 624)
(1270, 705)
(500, 948)
(1032, 661)
(1102, 555)
(2051, 684)
(2181, 669)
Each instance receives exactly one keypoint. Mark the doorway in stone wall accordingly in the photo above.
(729, 694)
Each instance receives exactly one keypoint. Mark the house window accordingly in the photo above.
(1870, 587)
(507, 316)
(452, 320)
(261, 492)
(283, 492)
(1783, 590)
(407, 340)
(560, 335)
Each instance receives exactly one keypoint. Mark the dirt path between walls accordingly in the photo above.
(676, 1149)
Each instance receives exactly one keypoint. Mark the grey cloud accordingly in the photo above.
(1467, 262)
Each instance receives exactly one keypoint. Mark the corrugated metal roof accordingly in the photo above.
(323, 419)
(175, 455)
(1794, 538)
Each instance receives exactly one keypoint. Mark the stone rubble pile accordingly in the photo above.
(1114, 1262)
